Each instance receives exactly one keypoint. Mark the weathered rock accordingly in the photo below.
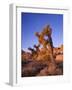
(59, 58)
(32, 68)
(50, 70)
(26, 56)
(58, 50)
(43, 72)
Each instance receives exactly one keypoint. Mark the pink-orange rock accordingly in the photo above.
(26, 56)
(58, 50)
(59, 58)
(43, 72)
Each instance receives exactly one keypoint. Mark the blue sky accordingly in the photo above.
(35, 22)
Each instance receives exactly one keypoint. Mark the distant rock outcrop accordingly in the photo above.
(25, 55)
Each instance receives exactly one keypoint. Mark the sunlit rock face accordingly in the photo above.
(25, 55)
(58, 53)
(59, 58)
